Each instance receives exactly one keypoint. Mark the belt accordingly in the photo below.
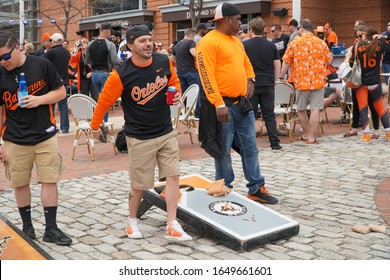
(101, 71)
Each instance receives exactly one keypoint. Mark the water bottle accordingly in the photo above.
(22, 89)
(333, 49)
(123, 57)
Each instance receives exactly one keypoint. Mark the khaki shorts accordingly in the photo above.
(314, 98)
(21, 159)
(144, 153)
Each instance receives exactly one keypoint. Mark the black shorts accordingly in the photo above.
(328, 91)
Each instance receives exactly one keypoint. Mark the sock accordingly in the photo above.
(50, 216)
(25, 214)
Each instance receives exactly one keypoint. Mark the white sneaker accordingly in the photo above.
(174, 232)
(132, 228)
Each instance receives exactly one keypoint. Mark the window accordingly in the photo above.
(101, 7)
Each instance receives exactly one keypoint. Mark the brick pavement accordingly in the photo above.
(327, 188)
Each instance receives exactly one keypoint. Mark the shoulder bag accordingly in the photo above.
(354, 78)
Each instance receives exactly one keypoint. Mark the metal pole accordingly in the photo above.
(21, 24)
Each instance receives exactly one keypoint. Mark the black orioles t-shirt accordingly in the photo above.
(28, 126)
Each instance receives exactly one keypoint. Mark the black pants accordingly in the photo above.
(88, 88)
(356, 113)
(265, 96)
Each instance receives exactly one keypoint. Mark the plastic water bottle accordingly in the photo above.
(123, 57)
(22, 89)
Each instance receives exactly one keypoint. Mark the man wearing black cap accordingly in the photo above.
(202, 30)
(123, 55)
(228, 81)
(142, 82)
(101, 57)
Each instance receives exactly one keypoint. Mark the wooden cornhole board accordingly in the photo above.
(234, 220)
(16, 245)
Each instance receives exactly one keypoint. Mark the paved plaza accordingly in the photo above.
(327, 188)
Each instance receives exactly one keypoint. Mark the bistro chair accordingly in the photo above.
(283, 106)
(82, 107)
(187, 116)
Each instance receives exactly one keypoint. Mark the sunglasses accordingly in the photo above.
(359, 36)
(265, 33)
(272, 31)
(7, 56)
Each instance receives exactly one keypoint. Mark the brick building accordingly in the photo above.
(171, 18)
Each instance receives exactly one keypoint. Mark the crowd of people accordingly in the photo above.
(236, 70)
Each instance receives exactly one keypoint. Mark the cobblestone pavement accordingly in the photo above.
(327, 188)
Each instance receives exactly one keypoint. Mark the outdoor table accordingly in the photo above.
(234, 220)
(337, 60)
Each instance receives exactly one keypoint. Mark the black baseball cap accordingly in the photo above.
(134, 32)
(105, 26)
(224, 10)
(292, 22)
(201, 26)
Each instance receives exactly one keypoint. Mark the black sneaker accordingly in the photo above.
(29, 231)
(55, 235)
(103, 139)
(262, 196)
(277, 147)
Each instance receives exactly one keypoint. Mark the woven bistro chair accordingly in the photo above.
(82, 107)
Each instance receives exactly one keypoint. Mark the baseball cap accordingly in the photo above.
(57, 37)
(134, 32)
(149, 24)
(320, 29)
(105, 26)
(224, 10)
(292, 22)
(201, 26)
(327, 26)
(125, 24)
(45, 36)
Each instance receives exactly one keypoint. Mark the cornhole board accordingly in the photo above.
(236, 221)
(16, 245)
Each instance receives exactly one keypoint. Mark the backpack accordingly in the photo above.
(120, 142)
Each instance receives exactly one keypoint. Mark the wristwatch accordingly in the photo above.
(252, 80)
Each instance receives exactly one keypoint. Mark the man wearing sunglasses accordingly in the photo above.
(46, 44)
(280, 40)
(29, 133)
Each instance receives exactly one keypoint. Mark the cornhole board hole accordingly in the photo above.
(236, 221)
(16, 245)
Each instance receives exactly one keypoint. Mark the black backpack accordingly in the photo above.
(120, 141)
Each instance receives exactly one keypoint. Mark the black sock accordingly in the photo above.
(25, 214)
(50, 216)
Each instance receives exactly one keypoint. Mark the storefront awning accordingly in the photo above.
(116, 19)
(177, 12)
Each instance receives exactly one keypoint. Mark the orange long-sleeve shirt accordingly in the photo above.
(142, 89)
(223, 66)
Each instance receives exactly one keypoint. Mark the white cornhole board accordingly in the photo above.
(234, 220)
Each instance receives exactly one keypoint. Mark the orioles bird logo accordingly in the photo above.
(3, 242)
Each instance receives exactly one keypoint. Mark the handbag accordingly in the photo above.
(354, 78)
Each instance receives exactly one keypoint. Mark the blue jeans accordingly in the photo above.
(386, 69)
(99, 79)
(241, 129)
(188, 79)
(64, 114)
